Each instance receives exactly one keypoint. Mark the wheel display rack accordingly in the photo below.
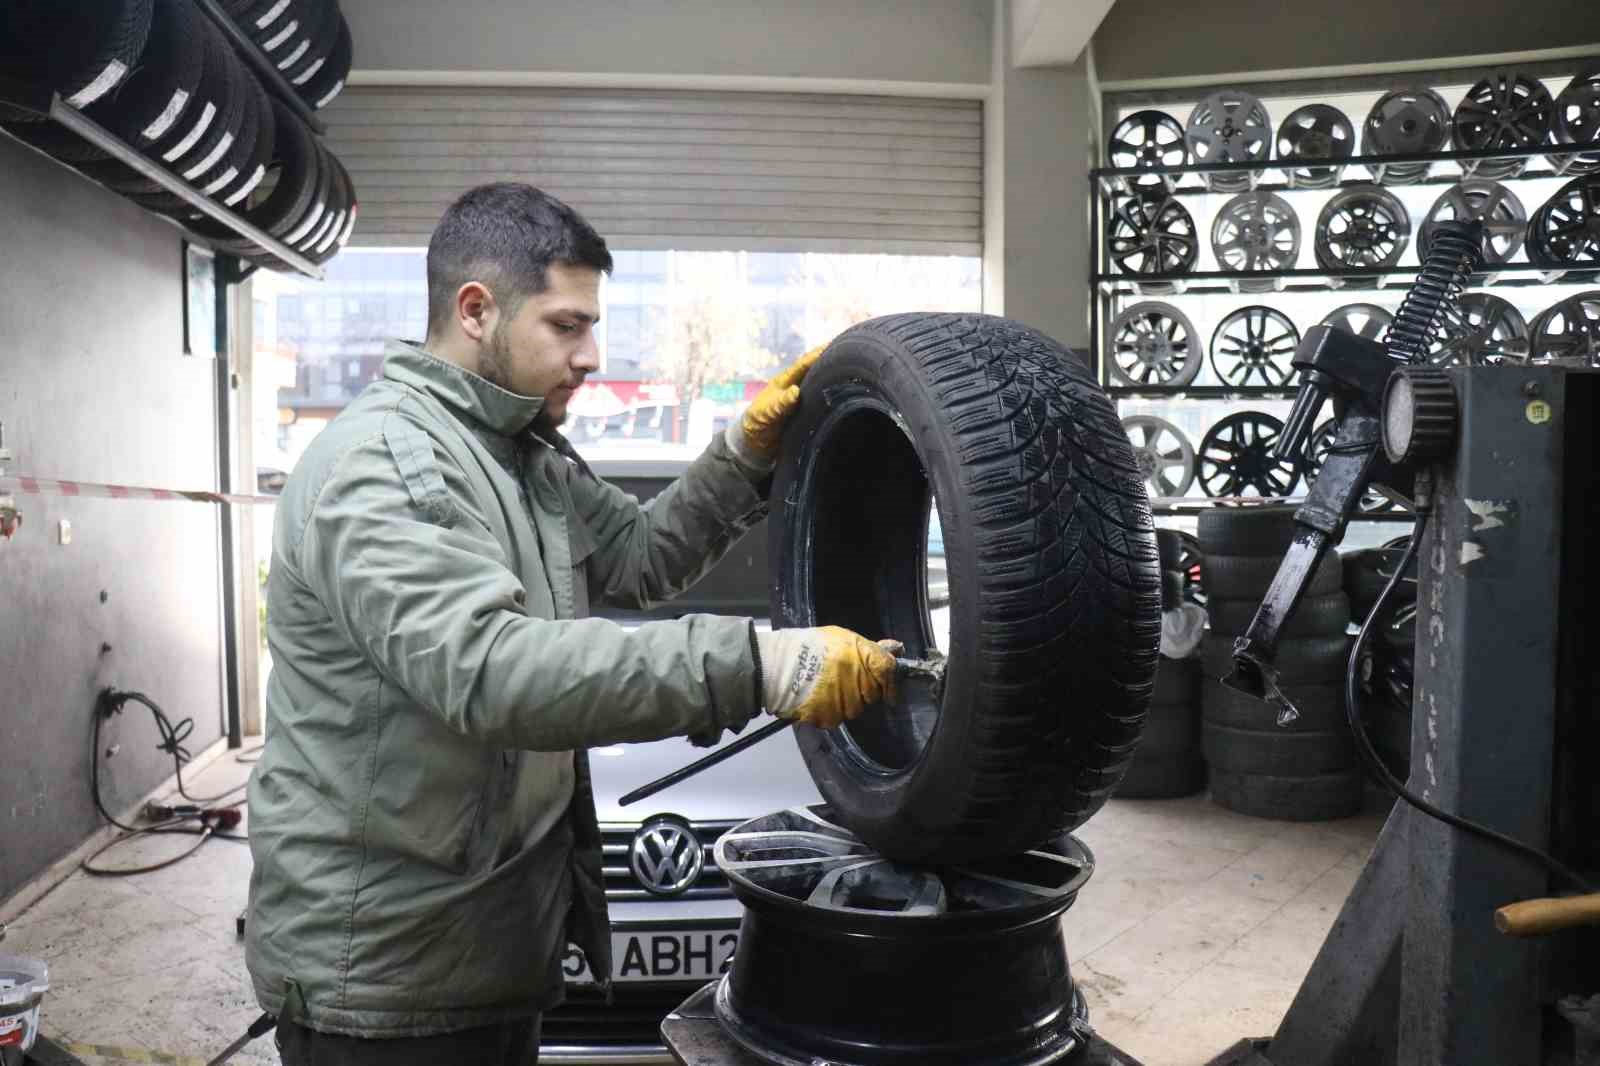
(1219, 180)
(45, 102)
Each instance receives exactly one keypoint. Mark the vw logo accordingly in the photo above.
(666, 858)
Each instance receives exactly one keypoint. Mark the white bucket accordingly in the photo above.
(23, 983)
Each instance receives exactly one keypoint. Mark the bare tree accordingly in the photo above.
(710, 330)
(842, 290)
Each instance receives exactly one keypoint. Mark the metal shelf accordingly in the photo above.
(1206, 392)
(1176, 506)
(1110, 177)
(91, 131)
(269, 74)
(1311, 280)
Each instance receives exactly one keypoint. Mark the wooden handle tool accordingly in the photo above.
(1535, 917)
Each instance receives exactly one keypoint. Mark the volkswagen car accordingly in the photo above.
(674, 922)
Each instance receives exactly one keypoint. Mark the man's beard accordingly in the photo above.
(495, 367)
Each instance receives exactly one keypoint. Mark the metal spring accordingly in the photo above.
(1455, 251)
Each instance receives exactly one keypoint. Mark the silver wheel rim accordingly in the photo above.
(1153, 235)
(1148, 139)
(1153, 344)
(1406, 122)
(1364, 320)
(1569, 332)
(1484, 331)
(1234, 458)
(1230, 126)
(1507, 109)
(1254, 342)
(1164, 455)
(1364, 226)
(1479, 200)
(1256, 231)
(1316, 132)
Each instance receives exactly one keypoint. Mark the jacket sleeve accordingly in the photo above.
(417, 582)
(647, 553)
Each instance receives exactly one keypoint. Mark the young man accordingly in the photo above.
(424, 837)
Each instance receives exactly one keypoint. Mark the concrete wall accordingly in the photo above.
(94, 386)
(1181, 38)
(901, 40)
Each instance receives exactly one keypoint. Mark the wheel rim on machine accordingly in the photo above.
(1509, 109)
(1164, 454)
(1364, 320)
(1230, 126)
(1148, 140)
(1504, 219)
(1254, 342)
(1577, 121)
(1362, 227)
(949, 965)
(1405, 122)
(1256, 231)
(1235, 458)
(1316, 132)
(1484, 331)
(1154, 345)
(1153, 235)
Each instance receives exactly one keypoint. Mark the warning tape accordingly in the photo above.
(128, 1054)
(35, 486)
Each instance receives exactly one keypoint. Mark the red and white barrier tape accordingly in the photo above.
(36, 486)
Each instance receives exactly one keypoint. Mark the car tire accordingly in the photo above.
(1247, 577)
(1167, 762)
(1315, 616)
(1263, 530)
(1304, 660)
(81, 51)
(329, 80)
(1054, 581)
(1288, 799)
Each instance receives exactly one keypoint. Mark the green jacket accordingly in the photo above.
(424, 836)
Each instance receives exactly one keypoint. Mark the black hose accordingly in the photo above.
(1375, 765)
(1455, 252)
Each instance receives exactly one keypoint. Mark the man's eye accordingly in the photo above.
(566, 327)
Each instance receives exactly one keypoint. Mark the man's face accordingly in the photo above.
(548, 346)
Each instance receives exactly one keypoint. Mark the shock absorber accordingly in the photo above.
(1455, 253)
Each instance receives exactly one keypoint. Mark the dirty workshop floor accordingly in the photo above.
(1193, 933)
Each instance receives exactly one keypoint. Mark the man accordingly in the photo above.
(424, 836)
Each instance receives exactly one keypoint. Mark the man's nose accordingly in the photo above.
(587, 357)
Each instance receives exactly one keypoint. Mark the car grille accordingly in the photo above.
(622, 885)
(634, 1017)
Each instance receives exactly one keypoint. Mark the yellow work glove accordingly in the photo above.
(824, 676)
(754, 437)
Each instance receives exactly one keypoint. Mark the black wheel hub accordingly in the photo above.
(854, 960)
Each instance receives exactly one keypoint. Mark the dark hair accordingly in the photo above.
(505, 235)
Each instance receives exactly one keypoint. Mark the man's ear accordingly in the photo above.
(476, 310)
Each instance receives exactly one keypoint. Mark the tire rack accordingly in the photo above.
(230, 268)
(1112, 289)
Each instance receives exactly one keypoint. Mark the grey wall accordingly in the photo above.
(1045, 187)
(901, 40)
(94, 387)
(1183, 38)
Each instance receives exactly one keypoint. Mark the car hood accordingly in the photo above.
(768, 777)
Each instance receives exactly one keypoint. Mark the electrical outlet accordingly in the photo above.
(64, 532)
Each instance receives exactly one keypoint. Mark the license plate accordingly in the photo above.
(668, 955)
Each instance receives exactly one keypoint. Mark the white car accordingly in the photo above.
(674, 922)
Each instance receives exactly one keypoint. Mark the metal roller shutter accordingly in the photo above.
(676, 169)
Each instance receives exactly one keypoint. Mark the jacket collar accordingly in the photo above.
(467, 395)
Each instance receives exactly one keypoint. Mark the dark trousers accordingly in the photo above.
(509, 1044)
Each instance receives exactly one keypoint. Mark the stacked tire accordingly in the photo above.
(166, 80)
(1387, 663)
(1305, 769)
(1167, 763)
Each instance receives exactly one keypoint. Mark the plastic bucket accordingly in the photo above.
(23, 983)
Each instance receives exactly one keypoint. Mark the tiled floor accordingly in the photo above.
(1194, 933)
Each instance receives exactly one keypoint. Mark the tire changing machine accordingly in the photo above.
(846, 957)
(1506, 701)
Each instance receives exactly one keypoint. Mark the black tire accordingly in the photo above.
(322, 34)
(237, 164)
(1315, 616)
(1303, 661)
(252, 166)
(1169, 548)
(1177, 682)
(207, 158)
(81, 51)
(1164, 777)
(1281, 753)
(1288, 799)
(345, 196)
(1054, 583)
(1321, 707)
(1389, 729)
(1264, 530)
(158, 93)
(298, 168)
(1247, 577)
(329, 81)
(1172, 587)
